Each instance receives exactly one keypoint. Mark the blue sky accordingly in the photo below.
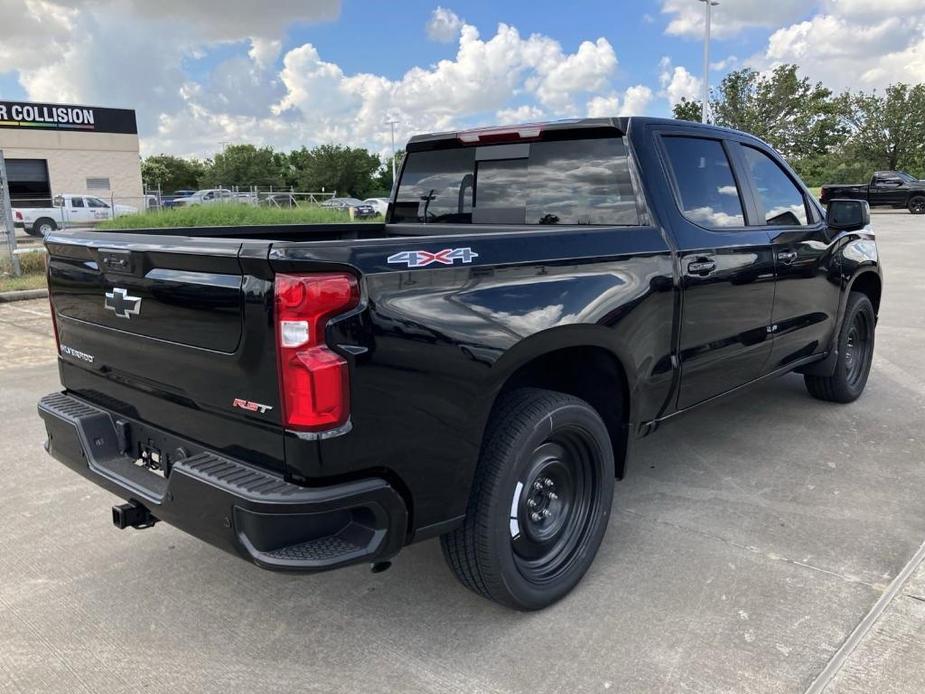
(299, 72)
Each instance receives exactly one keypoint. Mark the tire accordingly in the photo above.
(540, 501)
(43, 226)
(917, 204)
(855, 354)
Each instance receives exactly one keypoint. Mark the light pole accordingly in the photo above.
(705, 110)
(392, 124)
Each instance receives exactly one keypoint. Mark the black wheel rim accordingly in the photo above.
(858, 349)
(554, 504)
(918, 206)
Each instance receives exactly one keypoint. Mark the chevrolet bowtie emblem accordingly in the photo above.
(122, 303)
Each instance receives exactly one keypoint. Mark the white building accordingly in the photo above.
(52, 149)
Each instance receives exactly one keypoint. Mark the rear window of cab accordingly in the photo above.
(560, 182)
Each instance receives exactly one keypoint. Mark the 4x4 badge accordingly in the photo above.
(122, 303)
(448, 256)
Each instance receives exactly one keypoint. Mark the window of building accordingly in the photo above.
(708, 191)
(782, 203)
(97, 184)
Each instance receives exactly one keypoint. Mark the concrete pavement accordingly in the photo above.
(749, 540)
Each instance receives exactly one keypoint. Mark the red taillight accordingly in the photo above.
(314, 380)
(18, 215)
(511, 134)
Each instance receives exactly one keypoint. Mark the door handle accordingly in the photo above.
(701, 266)
(787, 257)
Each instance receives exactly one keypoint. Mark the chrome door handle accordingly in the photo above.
(701, 267)
(787, 257)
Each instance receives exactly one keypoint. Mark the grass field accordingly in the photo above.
(226, 215)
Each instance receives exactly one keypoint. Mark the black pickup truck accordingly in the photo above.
(475, 368)
(896, 189)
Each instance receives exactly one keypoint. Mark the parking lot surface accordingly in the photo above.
(749, 540)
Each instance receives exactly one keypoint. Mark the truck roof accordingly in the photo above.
(530, 131)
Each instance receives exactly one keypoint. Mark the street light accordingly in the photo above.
(392, 124)
(705, 110)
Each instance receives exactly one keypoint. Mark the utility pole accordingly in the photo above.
(392, 124)
(705, 110)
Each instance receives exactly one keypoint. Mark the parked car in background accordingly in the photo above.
(280, 200)
(896, 189)
(360, 209)
(168, 199)
(210, 196)
(381, 205)
(69, 209)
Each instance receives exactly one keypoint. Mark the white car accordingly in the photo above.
(381, 205)
(211, 196)
(70, 209)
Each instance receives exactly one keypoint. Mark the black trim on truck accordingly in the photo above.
(242, 509)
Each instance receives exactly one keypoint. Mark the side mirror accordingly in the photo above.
(847, 215)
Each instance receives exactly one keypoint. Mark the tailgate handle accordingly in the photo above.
(116, 261)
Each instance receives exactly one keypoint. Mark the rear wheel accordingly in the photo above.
(855, 355)
(540, 501)
(917, 204)
(43, 227)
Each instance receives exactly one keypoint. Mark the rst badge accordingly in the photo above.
(251, 406)
(448, 256)
(123, 304)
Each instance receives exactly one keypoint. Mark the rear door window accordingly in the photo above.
(780, 201)
(560, 182)
(707, 190)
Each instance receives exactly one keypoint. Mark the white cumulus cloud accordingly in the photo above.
(687, 18)
(678, 83)
(444, 25)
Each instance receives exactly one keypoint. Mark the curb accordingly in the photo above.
(23, 295)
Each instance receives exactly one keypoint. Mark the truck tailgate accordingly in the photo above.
(173, 330)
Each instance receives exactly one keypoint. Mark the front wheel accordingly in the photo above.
(917, 204)
(540, 501)
(855, 355)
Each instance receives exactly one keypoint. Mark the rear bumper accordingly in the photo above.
(240, 508)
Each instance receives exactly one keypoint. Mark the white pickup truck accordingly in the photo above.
(70, 209)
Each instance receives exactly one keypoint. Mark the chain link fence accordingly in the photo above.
(257, 196)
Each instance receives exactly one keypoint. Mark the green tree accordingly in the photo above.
(245, 165)
(336, 168)
(803, 121)
(169, 173)
(887, 132)
(383, 179)
(687, 109)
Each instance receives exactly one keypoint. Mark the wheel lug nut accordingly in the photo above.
(537, 485)
(531, 503)
(546, 513)
(548, 482)
(535, 517)
(553, 495)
